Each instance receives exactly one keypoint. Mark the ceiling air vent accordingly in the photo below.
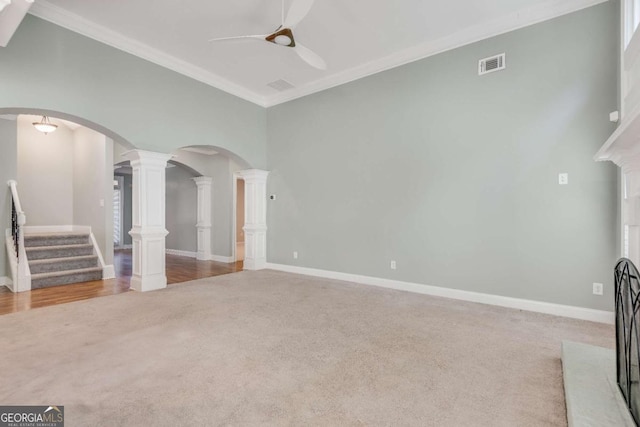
(491, 64)
(281, 85)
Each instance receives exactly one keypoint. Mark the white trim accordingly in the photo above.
(217, 258)
(108, 272)
(234, 215)
(177, 252)
(123, 247)
(11, 17)
(517, 303)
(220, 258)
(120, 189)
(547, 10)
(5, 281)
(63, 18)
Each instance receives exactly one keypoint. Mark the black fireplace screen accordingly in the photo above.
(627, 335)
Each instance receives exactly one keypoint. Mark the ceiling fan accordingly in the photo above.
(283, 35)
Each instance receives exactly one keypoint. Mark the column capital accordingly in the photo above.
(253, 174)
(148, 158)
(202, 180)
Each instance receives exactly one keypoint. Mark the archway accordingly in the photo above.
(63, 180)
(148, 171)
(219, 171)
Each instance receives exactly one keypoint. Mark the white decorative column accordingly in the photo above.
(148, 231)
(203, 217)
(255, 218)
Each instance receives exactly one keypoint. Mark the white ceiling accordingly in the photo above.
(355, 37)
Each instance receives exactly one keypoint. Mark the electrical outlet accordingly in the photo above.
(598, 288)
(393, 265)
(295, 254)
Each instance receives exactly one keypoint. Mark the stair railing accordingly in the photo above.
(21, 274)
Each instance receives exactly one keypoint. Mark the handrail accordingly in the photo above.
(18, 218)
(20, 271)
(22, 218)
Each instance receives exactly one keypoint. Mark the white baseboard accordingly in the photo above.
(108, 272)
(220, 258)
(123, 247)
(180, 253)
(581, 313)
(5, 281)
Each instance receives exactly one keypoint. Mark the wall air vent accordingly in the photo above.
(491, 64)
(281, 85)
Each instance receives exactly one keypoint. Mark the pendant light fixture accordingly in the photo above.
(45, 126)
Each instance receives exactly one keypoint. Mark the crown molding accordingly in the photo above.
(56, 15)
(543, 12)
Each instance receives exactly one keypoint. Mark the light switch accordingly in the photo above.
(563, 179)
(102, 202)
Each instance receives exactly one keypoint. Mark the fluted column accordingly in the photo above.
(148, 214)
(255, 218)
(203, 217)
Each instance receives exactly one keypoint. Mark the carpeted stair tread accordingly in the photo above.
(55, 239)
(59, 251)
(47, 265)
(61, 273)
(66, 277)
(56, 234)
(61, 258)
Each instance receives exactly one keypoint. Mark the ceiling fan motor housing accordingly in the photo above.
(280, 38)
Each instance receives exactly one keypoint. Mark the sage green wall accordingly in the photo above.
(46, 67)
(455, 176)
(8, 170)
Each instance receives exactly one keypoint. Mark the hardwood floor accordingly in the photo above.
(179, 269)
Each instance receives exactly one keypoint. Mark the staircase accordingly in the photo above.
(60, 259)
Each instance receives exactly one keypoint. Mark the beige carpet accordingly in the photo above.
(271, 348)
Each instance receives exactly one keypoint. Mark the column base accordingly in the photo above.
(148, 283)
(148, 259)
(254, 264)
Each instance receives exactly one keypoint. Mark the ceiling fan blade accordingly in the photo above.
(298, 10)
(257, 37)
(310, 57)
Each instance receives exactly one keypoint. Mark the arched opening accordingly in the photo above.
(220, 228)
(194, 161)
(10, 113)
(63, 182)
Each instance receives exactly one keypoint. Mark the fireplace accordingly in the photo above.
(627, 294)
